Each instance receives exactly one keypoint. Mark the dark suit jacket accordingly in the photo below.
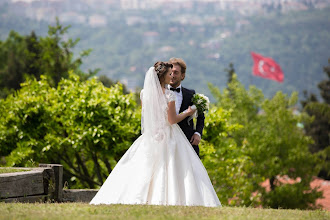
(188, 130)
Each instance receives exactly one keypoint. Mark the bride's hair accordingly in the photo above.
(161, 69)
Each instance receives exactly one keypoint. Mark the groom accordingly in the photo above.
(183, 101)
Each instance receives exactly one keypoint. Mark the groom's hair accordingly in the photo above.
(180, 62)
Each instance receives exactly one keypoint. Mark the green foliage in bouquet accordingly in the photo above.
(82, 125)
(201, 102)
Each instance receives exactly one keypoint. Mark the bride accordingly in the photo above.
(161, 167)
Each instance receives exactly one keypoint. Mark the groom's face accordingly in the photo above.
(176, 76)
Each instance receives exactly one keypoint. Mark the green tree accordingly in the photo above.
(82, 125)
(230, 72)
(29, 56)
(272, 145)
(319, 128)
(57, 55)
(107, 82)
(12, 63)
(33, 54)
(225, 161)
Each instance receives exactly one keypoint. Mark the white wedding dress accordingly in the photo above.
(161, 167)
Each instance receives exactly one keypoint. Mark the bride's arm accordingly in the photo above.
(173, 118)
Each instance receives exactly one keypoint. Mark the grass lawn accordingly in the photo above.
(77, 211)
(12, 170)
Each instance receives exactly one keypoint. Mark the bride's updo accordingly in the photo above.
(161, 69)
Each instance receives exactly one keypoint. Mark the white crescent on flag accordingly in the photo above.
(261, 67)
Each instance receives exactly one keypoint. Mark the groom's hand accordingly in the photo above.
(195, 139)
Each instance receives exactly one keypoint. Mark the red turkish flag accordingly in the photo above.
(266, 67)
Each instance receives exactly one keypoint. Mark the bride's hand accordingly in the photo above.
(190, 111)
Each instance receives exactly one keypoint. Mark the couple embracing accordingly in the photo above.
(162, 166)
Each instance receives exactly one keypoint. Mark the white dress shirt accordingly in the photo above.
(178, 101)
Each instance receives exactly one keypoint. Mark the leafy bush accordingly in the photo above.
(291, 197)
(268, 143)
(224, 160)
(84, 126)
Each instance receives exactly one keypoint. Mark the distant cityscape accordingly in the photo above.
(96, 12)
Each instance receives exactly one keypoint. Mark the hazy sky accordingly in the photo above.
(23, 0)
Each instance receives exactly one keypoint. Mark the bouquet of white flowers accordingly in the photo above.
(201, 103)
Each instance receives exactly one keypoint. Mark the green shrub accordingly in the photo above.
(84, 126)
(269, 143)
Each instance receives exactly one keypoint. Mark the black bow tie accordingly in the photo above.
(175, 89)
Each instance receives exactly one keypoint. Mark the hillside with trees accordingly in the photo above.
(133, 40)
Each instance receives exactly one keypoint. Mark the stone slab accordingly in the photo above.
(79, 195)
